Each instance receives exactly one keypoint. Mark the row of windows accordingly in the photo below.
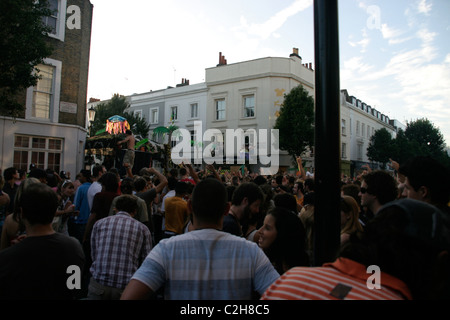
(248, 108)
(360, 129)
(43, 152)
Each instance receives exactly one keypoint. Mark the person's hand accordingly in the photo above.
(18, 239)
(394, 164)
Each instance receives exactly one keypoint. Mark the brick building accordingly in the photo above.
(52, 131)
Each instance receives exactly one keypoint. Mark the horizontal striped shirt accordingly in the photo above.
(343, 279)
(207, 264)
(119, 245)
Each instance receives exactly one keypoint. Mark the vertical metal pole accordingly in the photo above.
(327, 132)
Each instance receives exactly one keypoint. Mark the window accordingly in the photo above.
(43, 92)
(249, 106)
(44, 152)
(138, 113)
(194, 110)
(57, 20)
(344, 151)
(154, 116)
(360, 151)
(220, 109)
(363, 130)
(357, 128)
(343, 125)
(52, 20)
(173, 113)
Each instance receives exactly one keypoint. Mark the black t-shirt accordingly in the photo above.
(232, 225)
(37, 268)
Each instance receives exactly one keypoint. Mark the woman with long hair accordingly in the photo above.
(283, 239)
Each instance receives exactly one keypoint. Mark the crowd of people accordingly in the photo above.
(210, 234)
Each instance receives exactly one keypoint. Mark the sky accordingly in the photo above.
(394, 55)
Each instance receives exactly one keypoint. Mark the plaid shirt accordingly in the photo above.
(119, 245)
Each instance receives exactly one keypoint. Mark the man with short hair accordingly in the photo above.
(40, 266)
(205, 263)
(113, 267)
(377, 188)
(97, 172)
(426, 179)
(245, 203)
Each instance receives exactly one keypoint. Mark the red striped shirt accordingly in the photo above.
(343, 279)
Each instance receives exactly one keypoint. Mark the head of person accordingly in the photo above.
(309, 185)
(98, 171)
(426, 180)
(127, 203)
(181, 188)
(248, 196)
(11, 174)
(410, 240)
(38, 204)
(109, 182)
(140, 184)
(286, 200)
(283, 239)
(85, 176)
(298, 188)
(349, 215)
(66, 188)
(128, 132)
(39, 174)
(377, 186)
(351, 190)
(127, 186)
(171, 183)
(209, 202)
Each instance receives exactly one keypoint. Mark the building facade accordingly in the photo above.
(52, 131)
(248, 95)
(359, 121)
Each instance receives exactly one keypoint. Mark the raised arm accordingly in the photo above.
(162, 179)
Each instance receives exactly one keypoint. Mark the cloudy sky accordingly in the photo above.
(395, 55)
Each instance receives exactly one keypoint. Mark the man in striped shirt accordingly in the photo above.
(119, 245)
(407, 244)
(206, 263)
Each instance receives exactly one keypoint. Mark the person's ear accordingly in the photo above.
(424, 192)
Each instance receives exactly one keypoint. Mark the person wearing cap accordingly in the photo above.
(407, 244)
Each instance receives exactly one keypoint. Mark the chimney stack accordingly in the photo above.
(295, 53)
(222, 60)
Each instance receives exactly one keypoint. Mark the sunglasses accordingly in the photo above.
(363, 190)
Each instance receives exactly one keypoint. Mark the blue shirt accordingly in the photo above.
(82, 204)
(207, 265)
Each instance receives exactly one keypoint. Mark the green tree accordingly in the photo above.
(23, 45)
(425, 138)
(296, 122)
(380, 147)
(117, 106)
(421, 138)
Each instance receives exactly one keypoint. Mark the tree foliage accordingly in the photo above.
(117, 106)
(380, 147)
(23, 45)
(421, 138)
(296, 122)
